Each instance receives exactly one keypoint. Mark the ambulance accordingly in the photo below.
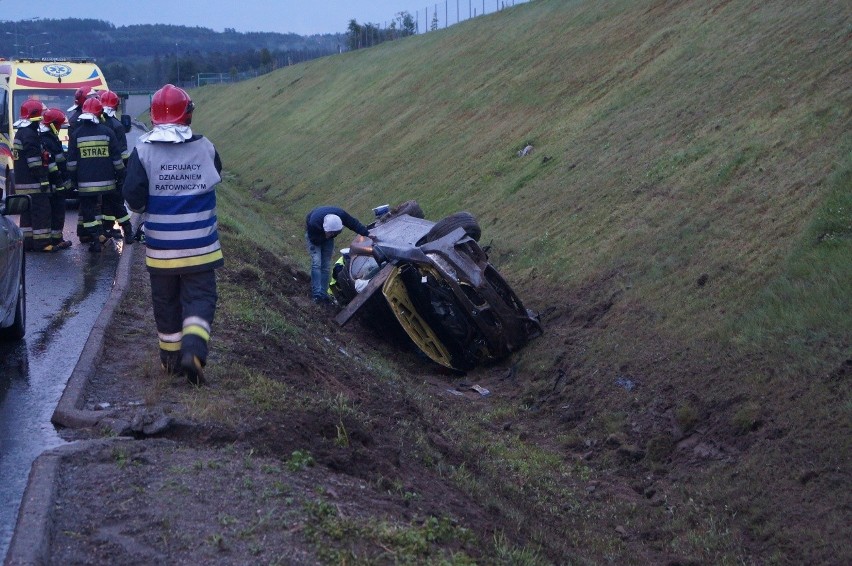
(51, 81)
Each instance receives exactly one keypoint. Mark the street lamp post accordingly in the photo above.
(33, 47)
(15, 33)
(26, 43)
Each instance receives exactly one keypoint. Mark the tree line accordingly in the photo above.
(359, 36)
(146, 56)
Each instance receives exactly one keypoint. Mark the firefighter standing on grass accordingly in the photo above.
(171, 177)
(52, 121)
(96, 169)
(31, 178)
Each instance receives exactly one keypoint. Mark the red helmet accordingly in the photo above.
(53, 117)
(171, 105)
(109, 99)
(32, 110)
(80, 95)
(93, 106)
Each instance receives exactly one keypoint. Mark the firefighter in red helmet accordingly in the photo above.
(96, 168)
(171, 178)
(80, 96)
(114, 210)
(79, 99)
(57, 172)
(31, 177)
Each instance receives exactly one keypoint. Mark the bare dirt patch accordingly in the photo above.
(602, 440)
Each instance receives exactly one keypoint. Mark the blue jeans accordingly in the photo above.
(320, 267)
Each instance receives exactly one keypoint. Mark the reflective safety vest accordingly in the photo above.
(174, 185)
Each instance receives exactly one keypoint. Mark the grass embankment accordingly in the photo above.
(684, 223)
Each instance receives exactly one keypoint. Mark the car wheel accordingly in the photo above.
(18, 328)
(409, 207)
(446, 225)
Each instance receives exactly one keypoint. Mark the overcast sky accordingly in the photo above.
(303, 17)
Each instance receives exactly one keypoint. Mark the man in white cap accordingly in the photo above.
(322, 224)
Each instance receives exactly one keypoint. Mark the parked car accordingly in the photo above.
(438, 284)
(13, 293)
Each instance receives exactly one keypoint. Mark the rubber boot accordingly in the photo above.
(193, 368)
(128, 233)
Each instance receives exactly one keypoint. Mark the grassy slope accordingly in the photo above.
(684, 140)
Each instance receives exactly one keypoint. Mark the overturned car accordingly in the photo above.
(438, 284)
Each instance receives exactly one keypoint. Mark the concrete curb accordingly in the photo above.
(68, 412)
(30, 545)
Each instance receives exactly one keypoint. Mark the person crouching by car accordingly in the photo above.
(322, 224)
(172, 175)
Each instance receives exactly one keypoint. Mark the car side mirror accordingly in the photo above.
(126, 122)
(16, 204)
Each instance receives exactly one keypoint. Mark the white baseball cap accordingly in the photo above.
(332, 223)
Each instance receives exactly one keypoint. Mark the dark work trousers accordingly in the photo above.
(91, 225)
(35, 223)
(113, 210)
(57, 216)
(184, 305)
(82, 233)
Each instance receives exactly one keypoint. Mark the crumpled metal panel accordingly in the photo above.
(403, 229)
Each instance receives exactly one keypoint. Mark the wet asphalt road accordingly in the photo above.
(65, 294)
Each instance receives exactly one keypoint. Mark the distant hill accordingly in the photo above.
(140, 56)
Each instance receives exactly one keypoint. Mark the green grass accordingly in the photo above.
(698, 173)
(649, 159)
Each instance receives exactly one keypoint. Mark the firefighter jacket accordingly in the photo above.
(313, 223)
(120, 135)
(57, 166)
(30, 168)
(94, 159)
(72, 118)
(174, 185)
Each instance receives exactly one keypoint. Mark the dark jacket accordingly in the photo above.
(57, 162)
(94, 159)
(313, 223)
(72, 119)
(30, 169)
(120, 135)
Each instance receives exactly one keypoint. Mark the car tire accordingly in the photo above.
(409, 207)
(19, 326)
(447, 225)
